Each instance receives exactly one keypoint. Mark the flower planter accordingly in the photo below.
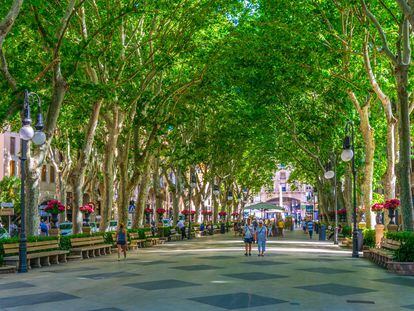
(86, 219)
(54, 220)
(379, 234)
(402, 268)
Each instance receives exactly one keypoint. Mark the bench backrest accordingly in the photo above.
(87, 241)
(173, 231)
(10, 249)
(390, 244)
(148, 234)
(134, 235)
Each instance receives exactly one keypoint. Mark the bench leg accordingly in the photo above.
(36, 263)
(54, 259)
(85, 254)
(44, 261)
(62, 258)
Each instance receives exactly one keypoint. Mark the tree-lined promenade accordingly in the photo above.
(211, 95)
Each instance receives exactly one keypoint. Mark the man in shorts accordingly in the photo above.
(248, 234)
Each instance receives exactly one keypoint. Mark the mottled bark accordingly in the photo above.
(143, 194)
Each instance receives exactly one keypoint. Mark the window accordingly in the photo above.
(283, 186)
(12, 168)
(44, 171)
(282, 175)
(12, 145)
(52, 174)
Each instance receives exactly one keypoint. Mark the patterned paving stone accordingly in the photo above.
(196, 267)
(150, 263)
(162, 284)
(252, 276)
(405, 281)
(108, 275)
(217, 257)
(325, 270)
(265, 263)
(336, 289)
(15, 285)
(71, 270)
(237, 301)
(33, 299)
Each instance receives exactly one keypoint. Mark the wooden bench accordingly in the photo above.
(90, 247)
(174, 235)
(42, 253)
(383, 255)
(136, 241)
(150, 239)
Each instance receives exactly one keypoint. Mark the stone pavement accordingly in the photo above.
(212, 273)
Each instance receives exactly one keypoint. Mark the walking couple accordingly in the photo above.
(259, 235)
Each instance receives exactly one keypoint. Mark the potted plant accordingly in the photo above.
(377, 208)
(148, 211)
(223, 214)
(342, 214)
(235, 215)
(391, 205)
(160, 212)
(87, 210)
(54, 208)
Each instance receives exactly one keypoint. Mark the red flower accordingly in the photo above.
(160, 211)
(185, 212)
(234, 214)
(342, 211)
(87, 208)
(54, 207)
(193, 212)
(223, 213)
(392, 204)
(377, 207)
(148, 210)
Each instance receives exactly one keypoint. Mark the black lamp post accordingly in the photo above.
(348, 154)
(38, 137)
(193, 184)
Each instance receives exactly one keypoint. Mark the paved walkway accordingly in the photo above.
(213, 274)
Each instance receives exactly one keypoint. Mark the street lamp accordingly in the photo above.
(329, 174)
(347, 155)
(193, 184)
(27, 133)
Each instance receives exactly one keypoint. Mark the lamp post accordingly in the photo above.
(329, 174)
(193, 184)
(38, 137)
(348, 154)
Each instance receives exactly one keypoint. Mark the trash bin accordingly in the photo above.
(322, 233)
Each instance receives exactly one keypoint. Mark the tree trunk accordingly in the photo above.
(142, 195)
(405, 147)
(109, 162)
(347, 193)
(78, 173)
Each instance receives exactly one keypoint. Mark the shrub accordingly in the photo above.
(346, 231)
(406, 252)
(369, 237)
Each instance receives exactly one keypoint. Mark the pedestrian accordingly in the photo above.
(121, 241)
(44, 230)
(269, 229)
(202, 228)
(309, 225)
(261, 237)
(181, 226)
(280, 226)
(153, 228)
(1, 224)
(248, 234)
(235, 228)
(304, 226)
